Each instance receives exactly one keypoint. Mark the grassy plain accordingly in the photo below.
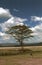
(21, 59)
(35, 50)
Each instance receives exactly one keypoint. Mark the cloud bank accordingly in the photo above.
(12, 21)
(36, 18)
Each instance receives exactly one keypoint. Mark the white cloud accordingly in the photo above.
(16, 10)
(12, 22)
(37, 29)
(4, 36)
(5, 13)
(21, 19)
(36, 18)
(37, 32)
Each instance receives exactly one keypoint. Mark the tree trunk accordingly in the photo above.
(21, 43)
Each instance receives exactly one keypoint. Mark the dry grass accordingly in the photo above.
(26, 47)
(15, 50)
(21, 59)
(33, 48)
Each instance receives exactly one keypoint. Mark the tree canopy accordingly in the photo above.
(20, 32)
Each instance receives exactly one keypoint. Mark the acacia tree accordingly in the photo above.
(20, 32)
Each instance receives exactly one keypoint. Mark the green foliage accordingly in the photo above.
(20, 33)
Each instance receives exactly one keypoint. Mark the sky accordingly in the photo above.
(19, 12)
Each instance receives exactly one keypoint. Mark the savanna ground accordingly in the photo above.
(21, 59)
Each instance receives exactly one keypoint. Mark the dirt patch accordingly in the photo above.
(21, 61)
(30, 61)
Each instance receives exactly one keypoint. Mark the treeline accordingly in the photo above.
(17, 45)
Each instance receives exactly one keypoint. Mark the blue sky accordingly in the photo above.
(21, 11)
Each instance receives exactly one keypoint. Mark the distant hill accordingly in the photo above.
(16, 44)
(8, 44)
(35, 44)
